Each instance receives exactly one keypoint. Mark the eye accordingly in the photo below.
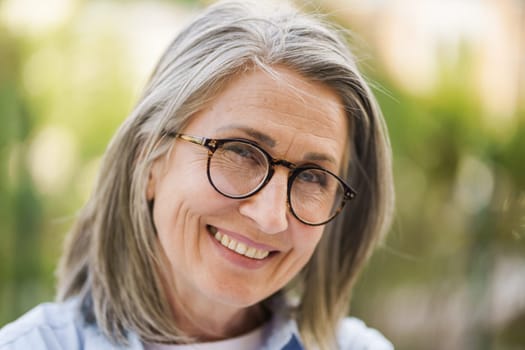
(242, 154)
(313, 176)
(242, 150)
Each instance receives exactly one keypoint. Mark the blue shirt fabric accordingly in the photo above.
(57, 326)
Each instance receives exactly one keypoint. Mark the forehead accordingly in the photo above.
(294, 113)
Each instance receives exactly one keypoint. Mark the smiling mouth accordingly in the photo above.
(238, 247)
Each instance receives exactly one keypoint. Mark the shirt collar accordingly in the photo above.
(282, 331)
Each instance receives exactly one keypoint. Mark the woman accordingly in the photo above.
(217, 220)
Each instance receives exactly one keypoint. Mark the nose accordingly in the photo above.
(268, 208)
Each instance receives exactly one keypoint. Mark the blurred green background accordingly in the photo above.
(450, 76)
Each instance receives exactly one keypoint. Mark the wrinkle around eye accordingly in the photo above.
(197, 162)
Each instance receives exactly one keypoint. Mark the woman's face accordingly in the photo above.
(292, 119)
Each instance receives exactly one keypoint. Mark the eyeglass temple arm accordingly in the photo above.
(203, 141)
(193, 139)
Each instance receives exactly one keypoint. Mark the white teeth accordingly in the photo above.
(251, 252)
(261, 254)
(240, 247)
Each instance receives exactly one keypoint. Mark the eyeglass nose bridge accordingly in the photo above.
(285, 163)
(272, 163)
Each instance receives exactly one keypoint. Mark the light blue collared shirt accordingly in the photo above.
(61, 326)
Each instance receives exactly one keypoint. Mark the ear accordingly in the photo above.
(152, 181)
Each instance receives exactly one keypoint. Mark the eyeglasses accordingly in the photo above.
(239, 168)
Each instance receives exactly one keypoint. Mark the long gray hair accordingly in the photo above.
(112, 257)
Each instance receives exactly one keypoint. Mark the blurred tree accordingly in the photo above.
(20, 212)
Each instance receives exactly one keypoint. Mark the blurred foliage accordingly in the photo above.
(449, 274)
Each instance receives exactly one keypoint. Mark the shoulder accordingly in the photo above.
(49, 325)
(353, 334)
(59, 326)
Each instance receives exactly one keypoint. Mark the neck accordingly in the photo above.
(211, 322)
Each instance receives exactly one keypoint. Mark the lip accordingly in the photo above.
(240, 260)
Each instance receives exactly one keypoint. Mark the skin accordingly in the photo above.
(215, 292)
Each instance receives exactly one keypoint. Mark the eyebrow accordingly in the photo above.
(257, 135)
(313, 156)
(270, 142)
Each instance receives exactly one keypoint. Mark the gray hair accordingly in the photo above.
(112, 259)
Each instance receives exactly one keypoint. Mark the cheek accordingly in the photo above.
(183, 187)
(305, 241)
(307, 237)
(182, 198)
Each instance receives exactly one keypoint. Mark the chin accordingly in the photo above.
(237, 295)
